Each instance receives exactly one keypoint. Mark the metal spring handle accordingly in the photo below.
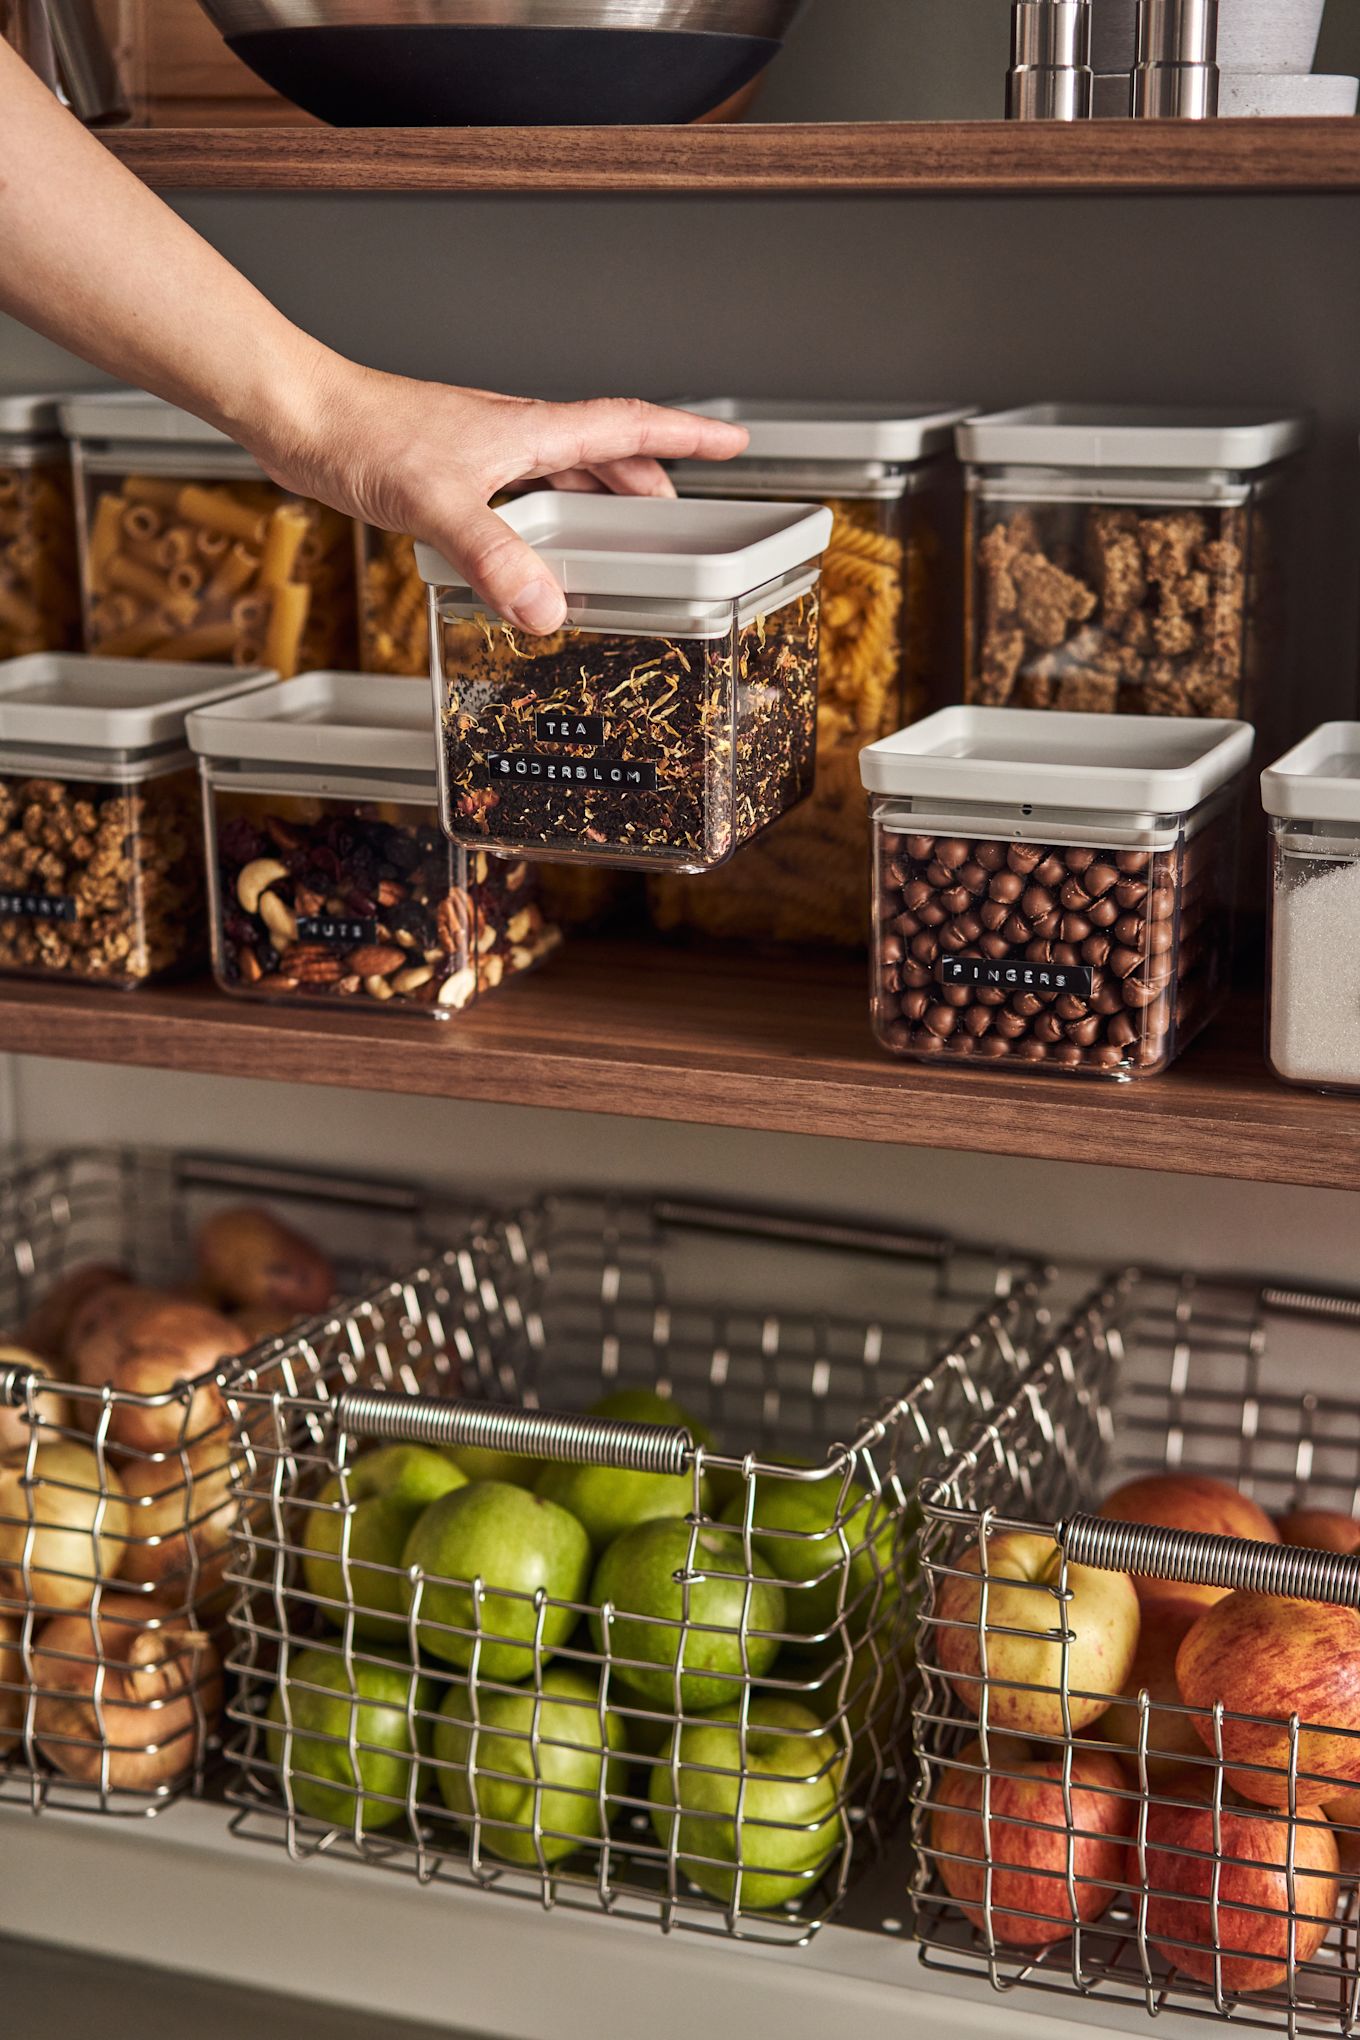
(537, 1434)
(1202, 1560)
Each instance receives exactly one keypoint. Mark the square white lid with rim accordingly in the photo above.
(1319, 780)
(796, 429)
(357, 722)
(32, 414)
(1043, 758)
(1131, 436)
(136, 415)
(80, 702)
(641, 546)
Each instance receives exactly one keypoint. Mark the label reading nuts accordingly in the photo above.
(35, 907)
(325, 928)
(621, 774)
(1017, 977)
(556, 728)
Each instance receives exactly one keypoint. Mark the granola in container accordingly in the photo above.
(331, 878)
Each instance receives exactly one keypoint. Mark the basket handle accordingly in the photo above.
(537, 1434)
(14, 1384)
(1203, 1560)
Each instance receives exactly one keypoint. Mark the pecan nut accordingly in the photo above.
(373, 960)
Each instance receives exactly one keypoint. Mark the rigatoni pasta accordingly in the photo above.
(39, 588)
(394, 629)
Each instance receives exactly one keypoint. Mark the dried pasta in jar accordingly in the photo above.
(39, 584)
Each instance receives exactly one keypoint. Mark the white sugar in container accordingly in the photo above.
(1312, 796)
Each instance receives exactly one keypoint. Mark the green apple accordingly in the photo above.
(513, 1542)
(638, 1576)
(553, 1792)
(783, 1827)
(645, 1406)
(389, 1490)
(813, 1535)
(482, 1462)
(374, 1708)
(606, 1501)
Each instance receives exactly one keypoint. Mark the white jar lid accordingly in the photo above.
(1319, 780)
(791, 429)
(1108, 764)
(347, 721)
(1129, 437)
(32, 414)
(135, 415)
(71, 700)
(641, 546)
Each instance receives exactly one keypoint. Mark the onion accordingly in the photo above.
(182, 1518)
(50, 1408)
(144, 1342)
(160, 1694)
(247, 1257)
(48, 1324)
(11, 1677)
(65, 1558)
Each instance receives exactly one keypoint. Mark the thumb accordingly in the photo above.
(508, 574)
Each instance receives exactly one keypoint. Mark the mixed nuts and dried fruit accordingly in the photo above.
(339, 900)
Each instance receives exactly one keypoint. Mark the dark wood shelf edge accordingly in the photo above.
(638, 1032)
(926, 158)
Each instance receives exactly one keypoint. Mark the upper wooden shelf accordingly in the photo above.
(712, 1037)
(926, 158)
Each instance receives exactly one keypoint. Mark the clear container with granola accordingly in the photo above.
(101, 847)
(1129, 561)
(890, 577)
(673, 718)
(39, 582)
(332, 881)
(188, 551)
(1053, 891)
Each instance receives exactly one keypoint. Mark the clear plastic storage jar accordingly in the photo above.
(1053, 891)
(101, 848)
(889, 589)
(331, 878)
(39, 582)
(394, 608)
(189, 551)
(1312, 796)
(674, 717)
(1128, 560)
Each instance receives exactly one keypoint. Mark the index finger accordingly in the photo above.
(609, 429)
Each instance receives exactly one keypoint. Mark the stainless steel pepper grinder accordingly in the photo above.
(1176, 75)
(1050, 74)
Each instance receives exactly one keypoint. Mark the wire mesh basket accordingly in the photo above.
(656, 1664)
(1195, 1845)
(116, 1500)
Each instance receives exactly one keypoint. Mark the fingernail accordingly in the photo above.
(540, 608)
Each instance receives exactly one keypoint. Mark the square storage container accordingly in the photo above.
(394, 608)
(189, 551)
(1129, 560)
(39, 582)
(101, 848)
(1312, 797)
(889, 595)
(1053, 891)
(674, 717)
(330, 876)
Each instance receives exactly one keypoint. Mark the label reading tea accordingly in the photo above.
(35, 907)
(1017, 977)
(557, 728)
(619, 775)
(332, 928)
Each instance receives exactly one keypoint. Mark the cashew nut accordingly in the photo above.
(493, 970)
(265, 871)
(459, 990)
(378, 988)
(278, 919)
(520, 926)
(409, 981)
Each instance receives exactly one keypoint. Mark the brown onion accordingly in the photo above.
(159, 1682)
(49, 1406)
(58, 1511)
(248, 1257)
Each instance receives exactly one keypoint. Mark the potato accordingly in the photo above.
(160, 1696)
(47, 1326)
(66, 1558)
(51, 1408)
(145, 1342)
(181, 1520)
(11, 1683)
(248, 1258)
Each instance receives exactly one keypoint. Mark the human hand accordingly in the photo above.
(426, 458)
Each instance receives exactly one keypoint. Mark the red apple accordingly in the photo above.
(1171, 1735)
(1253, 1890)
(1031, 1905)
(1185, 1501)
(1320, 1530)
(1269, 1656)
(1024, 1627)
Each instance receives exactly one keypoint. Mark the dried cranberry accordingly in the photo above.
(360, 904)
(239, 841)
(403, 851)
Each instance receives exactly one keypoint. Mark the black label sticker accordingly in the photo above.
(36, 907)
(569, 729)
(621, 775)
(1018, 976)
(328, 928)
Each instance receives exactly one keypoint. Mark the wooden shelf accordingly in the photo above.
(925, 158)
(640, 1031)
